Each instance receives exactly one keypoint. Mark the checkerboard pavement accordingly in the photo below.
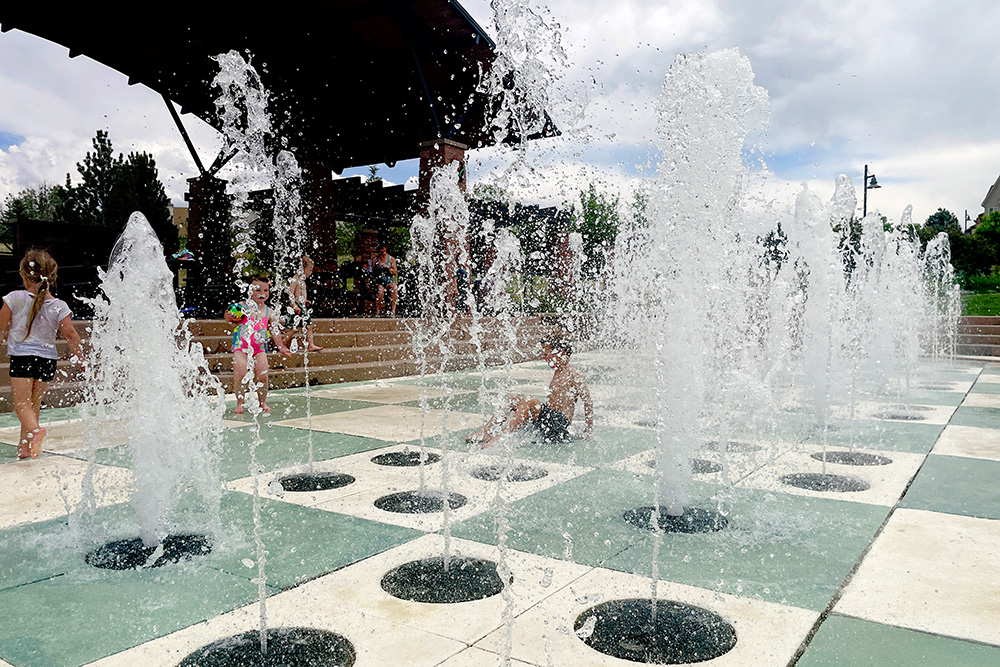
(903, 572)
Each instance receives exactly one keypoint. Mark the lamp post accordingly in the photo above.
(868, 186)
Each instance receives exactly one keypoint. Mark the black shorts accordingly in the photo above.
(29, 366)
(552, 424)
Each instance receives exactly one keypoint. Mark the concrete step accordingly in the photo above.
(979, 350)
(355, 349)
(980, 320)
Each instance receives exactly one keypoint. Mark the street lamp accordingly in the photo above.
(870, 184)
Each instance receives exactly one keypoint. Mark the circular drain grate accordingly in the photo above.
(679, 633)
(314, 481)
(814, 481)
(934, 386)
(405, 459)
(518, 473)
(733, 446)
(852, 458)
(693, 520)
(132, 553)
(698, 466)
(286, 647)
(704, 466)
(414, 502)
(426, 580)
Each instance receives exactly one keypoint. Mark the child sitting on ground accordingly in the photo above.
(553, 417)
(30, 319)
(256, 323)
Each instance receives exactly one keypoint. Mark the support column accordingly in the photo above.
(319, 209)
(454, 268)
(210, 284)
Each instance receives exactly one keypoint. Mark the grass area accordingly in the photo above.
(986, 303)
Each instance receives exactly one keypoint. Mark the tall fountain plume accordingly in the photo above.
(145, 373)
(667, 300)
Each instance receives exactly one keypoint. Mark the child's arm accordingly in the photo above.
(72, 336)
(279, 340)
(5, 315)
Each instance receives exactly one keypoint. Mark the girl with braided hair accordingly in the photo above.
(29, 320)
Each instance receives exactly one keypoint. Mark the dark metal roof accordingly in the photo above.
(353, 82)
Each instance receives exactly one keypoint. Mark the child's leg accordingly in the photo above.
(310, 333)
(260, 376)
(492, 424)
(20, 390)
(38, 388)
(524, 411)
(239, 372)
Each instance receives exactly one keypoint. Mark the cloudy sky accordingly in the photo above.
(906, 88)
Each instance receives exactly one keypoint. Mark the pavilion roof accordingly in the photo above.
(352, 82)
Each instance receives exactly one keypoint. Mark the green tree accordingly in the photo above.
(942, 221)
(42, 203)
(598, 221)
(112, 188)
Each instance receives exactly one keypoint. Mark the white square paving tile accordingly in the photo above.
(768, 634)
(931, 572)
(979, 400)
(886, 482)
(269, 484)
(887, 411)
(716, 467)
(51, 486)
(357, 589)
(385, 393)
(362, 503)
(387, 422)
(475, 657)
(377, 641)
(68, 436)
(971, 441)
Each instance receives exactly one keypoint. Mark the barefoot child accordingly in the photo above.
(299, 315)
(256, 323)
(30, 319)
(552, 418)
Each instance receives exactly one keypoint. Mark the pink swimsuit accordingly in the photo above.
(251, 336)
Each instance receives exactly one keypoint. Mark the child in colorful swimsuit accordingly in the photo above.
(30, 319)
(552, 418)
(250, 341)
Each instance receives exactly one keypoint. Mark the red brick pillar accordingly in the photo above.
(433, 155)
(319, 209)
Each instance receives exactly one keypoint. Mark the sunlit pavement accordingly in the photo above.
(899, 570)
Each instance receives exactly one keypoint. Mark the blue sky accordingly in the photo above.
(908, 89)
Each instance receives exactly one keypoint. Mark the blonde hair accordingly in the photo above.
(37, 266)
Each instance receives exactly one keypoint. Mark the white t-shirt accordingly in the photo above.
(42, 341)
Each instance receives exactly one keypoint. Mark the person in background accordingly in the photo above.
(299, 315)
(385, 272)
(30, 319)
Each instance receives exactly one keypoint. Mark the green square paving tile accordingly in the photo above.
(972, 416)
(608, 445)
(842, 640)
(986, 388)
(80, 617)
(280, 447)
(8, 453)
(35, 552)
(302, 543)
(778, 547)
(578, 520)
(932, 397)
(468, 402)
(894, 436)
(293, 406)
(956, 485)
